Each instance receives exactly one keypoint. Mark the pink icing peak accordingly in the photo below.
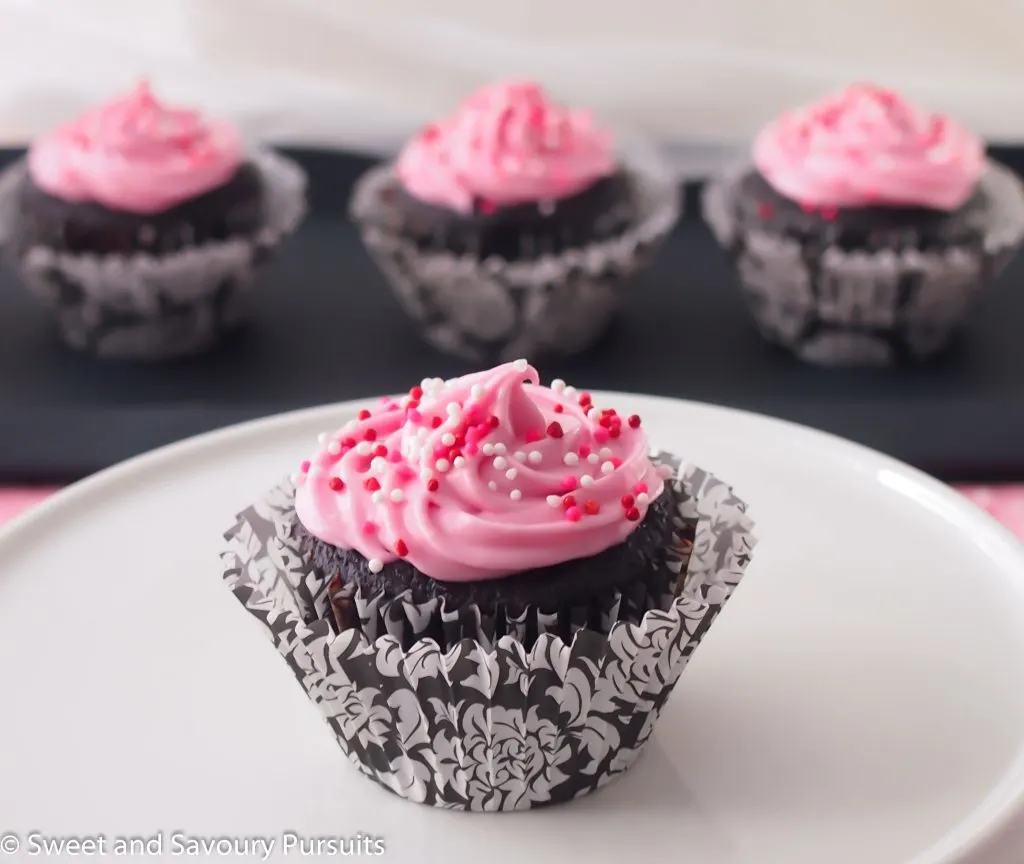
(506, 144)
(136, 155)
(514, 504)
(869, 146)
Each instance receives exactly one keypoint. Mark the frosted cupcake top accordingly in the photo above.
(868, 146)
(506, 144)
(136, 155)
(480, 477)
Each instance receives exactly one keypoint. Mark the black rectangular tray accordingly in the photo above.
(328, 329)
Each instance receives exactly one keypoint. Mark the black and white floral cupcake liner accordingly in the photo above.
(156, 307)
(493, 310)
(485, 724)
(833, 307)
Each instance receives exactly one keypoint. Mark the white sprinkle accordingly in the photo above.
(570, 391)
(593, 458)
(334, 448)
(363, 448)
(500, 449)
(558, 385)
(349, 427)
(492, 486)
(570, 458)
(448, 439)
(454, 410)
(375, 565)
(520, 365)
(607, 468)
(554, 500)
(500, 463)
(515, 494)
(511, 474)
(379, 465)
(477, 391)
(593, 415)
(321, 438)
(586, 480)
(397, 495)
(643, 498)
(427, 384)
(605, 452)
(459, 462)
(315, 471)
(442, 465)
(488, 449)
(519, 456)
(534, 456)
(378, 496)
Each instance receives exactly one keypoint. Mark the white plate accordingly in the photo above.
(859, 702)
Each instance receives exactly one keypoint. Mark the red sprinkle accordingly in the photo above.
(348, 443)
(380, 450)
(395, 456)
(435, 422)
(335, 484)
(627, 501)
(371, 484)
(592, 507)
(555, 429)
(401, 550)
(533, 436)
(304, 467)
(606, 421)
(363, 415)
(569, 482)
(616, 461)
(414, 416)
(586, 399)
(640, 488)
(573, 514)
(569, 501)
(558, 409)
(614, 432)
(584, 451)
(416, 392)
(634, 421)
(493, 422)
(601, 435)
(369, 528)
(632, 514)
(370, 435)
(432, 484)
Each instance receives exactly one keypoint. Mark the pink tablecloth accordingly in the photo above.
(1005, 503)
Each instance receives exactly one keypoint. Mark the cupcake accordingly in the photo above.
(865, 228)
(513, 227)
(142, 226)
(490, 587)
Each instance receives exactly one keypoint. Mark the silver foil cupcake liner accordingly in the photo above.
(486, 724)
(156, 307)
(833, 307)
(494, 310)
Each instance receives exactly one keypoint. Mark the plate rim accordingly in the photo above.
(996, 814)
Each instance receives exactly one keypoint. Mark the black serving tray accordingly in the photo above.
(328, 329)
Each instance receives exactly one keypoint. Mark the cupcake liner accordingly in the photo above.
(486, 724)
(833, 307)
(146, 307)
(494, 310)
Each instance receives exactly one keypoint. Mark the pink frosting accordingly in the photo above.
(135, 155)
(869, 146)
(506, 144)
(480, 477)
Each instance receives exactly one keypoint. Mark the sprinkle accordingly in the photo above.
(616, 461)
(414, 416)
(493, 422)
(401, 550)
(574, 514)
(534, 457)
(568, 482)
(379, 465)
(442, 465)
(432, 484)
(586, 480)
(363, 448)
(570, 458)
(304, 467)
(559, 408)
(569, 501)
(627, 501)
(519, 456)
(394, 456)
(593, 458)
(397, 495)
(378, 496)
(643, 498)
(448, 439)
(477, 391)
(520, 365)
(607, 468)
(554, 500)
(614, 432)
(558, 385)
(592, 507)
(492, 485)
(640, 487)
(454, 410)
(371, 484)
(435, 422)
(363, 415)
(634, 421)
(334, 448)
(500, 463)
(555, 429)
(370, 435)
(601, 435)
(593, 415)
(632, 514)
(533, 436)
(459, 462)
(500, 449)
(416, 392)
(375, 565)
(488, 449)
(570, 391)
(515, 494)
(583, 450)
(369, 528)
(511, 474)
(335, 484)
(606, 453)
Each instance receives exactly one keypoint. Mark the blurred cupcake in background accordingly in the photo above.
(142, 226)
(865, 228)
(512, 227)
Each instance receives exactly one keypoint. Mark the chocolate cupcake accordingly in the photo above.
(513, 227)
(865, 228)
(142, 226)
(488, 546)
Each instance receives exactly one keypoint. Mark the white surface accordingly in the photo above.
(858, 700)
(365, 73)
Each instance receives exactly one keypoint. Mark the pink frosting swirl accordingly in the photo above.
(869, 146)
(135, 155)
(480, 477)
(506, 144)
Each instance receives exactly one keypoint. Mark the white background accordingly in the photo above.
(362, 73)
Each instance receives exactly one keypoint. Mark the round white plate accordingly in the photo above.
(858, 702)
